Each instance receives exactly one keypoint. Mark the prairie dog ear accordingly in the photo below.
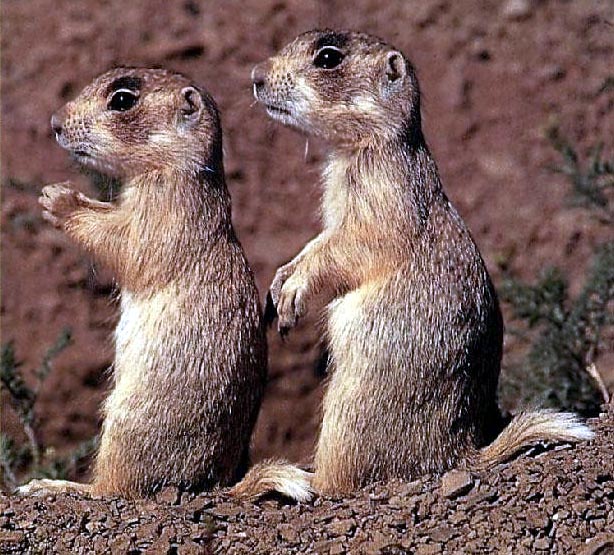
(191, 105)
(395, 71)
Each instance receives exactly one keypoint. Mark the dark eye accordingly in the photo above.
(328, 57)
(122, 100)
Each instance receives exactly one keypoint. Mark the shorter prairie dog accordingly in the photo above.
(190, 362)
(413, 323)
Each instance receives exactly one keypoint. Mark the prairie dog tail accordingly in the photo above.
(275, 476)
(530, 427)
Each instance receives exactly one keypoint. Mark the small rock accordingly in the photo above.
(228, 510)
(455, 483)
(11, 539)
(321, 546)
(542, 544)
(536, 520)
(442, 533)
(168, 496)
(517, 10)
(288, 533)
(410, 488)
(428, 549)
(341, 527)
(457, 517)
(322, 519)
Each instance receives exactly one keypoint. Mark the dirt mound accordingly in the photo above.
(557, 501)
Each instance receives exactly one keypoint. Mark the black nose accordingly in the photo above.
(56, 125)
(258, 77)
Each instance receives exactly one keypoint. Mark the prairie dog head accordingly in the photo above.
(349, 88)
(129, 121)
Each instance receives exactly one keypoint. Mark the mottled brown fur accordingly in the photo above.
(413, 324)
(190, 362)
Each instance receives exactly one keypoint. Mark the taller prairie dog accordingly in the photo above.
(412, 322)
(190, 361)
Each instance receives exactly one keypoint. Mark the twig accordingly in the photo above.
(34, 445)
(594, 373)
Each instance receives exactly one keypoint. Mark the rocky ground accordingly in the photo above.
(555, 501)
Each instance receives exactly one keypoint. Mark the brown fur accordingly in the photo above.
(190, 362)
(413, 323)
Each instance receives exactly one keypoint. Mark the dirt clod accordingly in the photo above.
(455, 483)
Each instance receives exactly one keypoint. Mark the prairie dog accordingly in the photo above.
(412, 322)
(190, 362)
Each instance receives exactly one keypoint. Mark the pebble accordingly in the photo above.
(456, 483)
(516, 10)
(341, 527)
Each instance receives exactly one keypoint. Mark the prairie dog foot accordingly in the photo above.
(39, 488)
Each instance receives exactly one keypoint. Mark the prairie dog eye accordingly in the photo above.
(328, 57)
(122, 100)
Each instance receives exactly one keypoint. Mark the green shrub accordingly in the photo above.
(565, 335)
(32, 460)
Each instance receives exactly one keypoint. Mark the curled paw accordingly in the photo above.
(291, 303)
(281, 276)
(59, 203)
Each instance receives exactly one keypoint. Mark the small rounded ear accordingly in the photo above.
(396, 68)
(191, 104)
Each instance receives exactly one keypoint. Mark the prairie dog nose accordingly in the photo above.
(258, 75)
(56, 125)
(258, 79)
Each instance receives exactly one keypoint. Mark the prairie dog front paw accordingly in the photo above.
(291, 302)
(59, 202)
(281, 275)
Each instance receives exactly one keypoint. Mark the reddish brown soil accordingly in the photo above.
(492, 82)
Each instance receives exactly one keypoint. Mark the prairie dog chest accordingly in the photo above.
(335, 198)
(344, 315)
(144, 324)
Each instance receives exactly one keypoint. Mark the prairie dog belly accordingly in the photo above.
(143, 324)
(354, 336)
(358, 325)
(150, 351)
(343, 313)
